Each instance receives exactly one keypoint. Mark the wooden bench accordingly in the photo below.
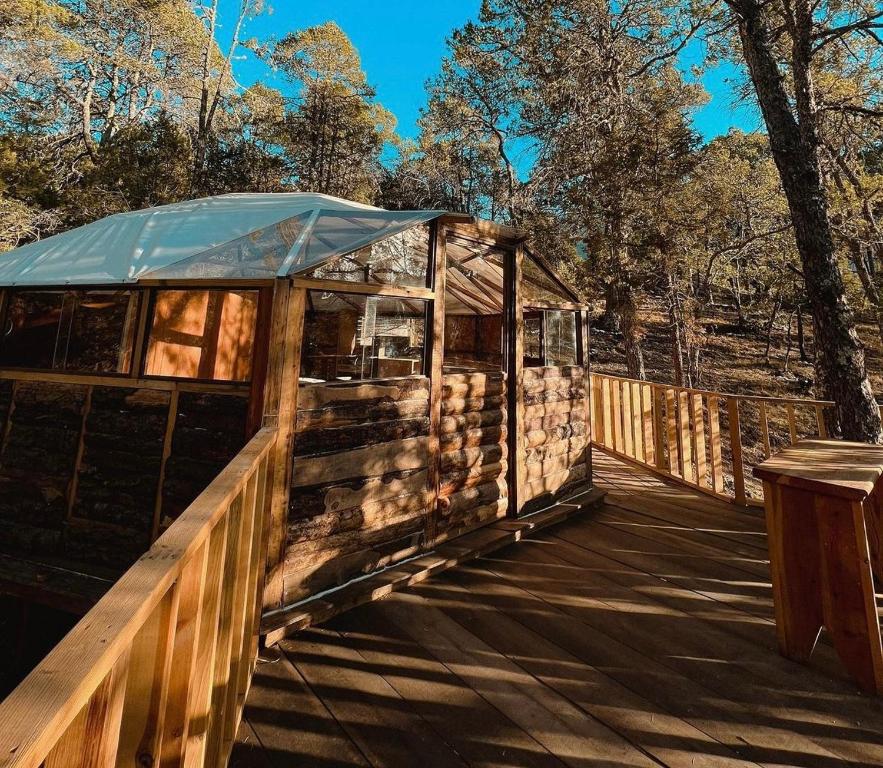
(823, 510)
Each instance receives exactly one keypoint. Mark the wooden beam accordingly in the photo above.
(436, 350)
(292, 331)
(370, 289)
(514, 330)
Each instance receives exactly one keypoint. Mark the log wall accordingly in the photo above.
(360, 495)
(82, 465)
(555, 430)
(473, 488)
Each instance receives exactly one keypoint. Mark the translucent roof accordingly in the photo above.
(223, 237)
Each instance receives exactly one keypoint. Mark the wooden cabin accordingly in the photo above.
(427, 374)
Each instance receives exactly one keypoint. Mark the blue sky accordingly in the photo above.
(402, 42)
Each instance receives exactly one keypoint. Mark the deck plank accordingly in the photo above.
(379, 721)
(638, 634)
(577, 740)
(480, 733)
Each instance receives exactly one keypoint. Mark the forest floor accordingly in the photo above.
(732, 359)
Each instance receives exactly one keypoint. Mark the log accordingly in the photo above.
(553, 408)
(357, 523)
(360, 413)
(469, 478)
(315, 442)
(554, 421)
(555, 448)
(470, 498)
(462, 422)
(537, 437)
(472, 438)
(454, 405)
(472, 457)
(373, 461)
(552, 484)
(477, 388)
(344, 394)
(555, 465)
(308, 502)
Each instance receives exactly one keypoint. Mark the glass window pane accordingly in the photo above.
(539, 286)
(202, 335)
(258, 254)
(533, 339)
(560, 337)
(352, 337)
(401, 259)
(82, 331)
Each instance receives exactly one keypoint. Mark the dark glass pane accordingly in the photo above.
(351, 337)
(401, 259)
(202, 335)
(538, 286)
(83, 331)
(533, 339)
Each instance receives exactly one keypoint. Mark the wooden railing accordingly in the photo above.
(157, 672)
(703, 438)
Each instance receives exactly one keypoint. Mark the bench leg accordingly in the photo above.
(795, 569)
(850, 609)
(874, 524)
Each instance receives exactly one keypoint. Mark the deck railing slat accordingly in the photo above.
(137, 681)
(677, 431)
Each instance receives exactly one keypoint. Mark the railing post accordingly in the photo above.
(699, 441)
(714, 436)
(736, 449)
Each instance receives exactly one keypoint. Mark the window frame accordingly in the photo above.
(577, 312)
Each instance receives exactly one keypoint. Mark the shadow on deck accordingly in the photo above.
(639, 634)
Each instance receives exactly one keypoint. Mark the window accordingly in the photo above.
(559, 334)
(401, 259)
(79, 331)
(202, 335)
(473, 306)
(539, 286)
(550, 338)
(348, 337)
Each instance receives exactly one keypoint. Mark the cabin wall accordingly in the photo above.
(556, 433)
(473, 488)
(81, 465)
(360, 494)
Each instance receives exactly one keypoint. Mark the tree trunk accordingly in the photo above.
(769, 328)
(631, 334)
(801, 336)
(840, 367)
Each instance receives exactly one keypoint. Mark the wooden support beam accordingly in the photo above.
(289, 339)
(438, 259)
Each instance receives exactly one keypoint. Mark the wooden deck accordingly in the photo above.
(637, 635)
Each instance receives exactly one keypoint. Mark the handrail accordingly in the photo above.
(697, 436)
(157, 672)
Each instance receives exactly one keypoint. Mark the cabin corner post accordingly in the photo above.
(282, 379)
(585, 359)
(436, 349)
(513, 300)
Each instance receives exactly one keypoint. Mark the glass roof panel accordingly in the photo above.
(402, 259)
(334, 233)
(259, 254)
(538, 286)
